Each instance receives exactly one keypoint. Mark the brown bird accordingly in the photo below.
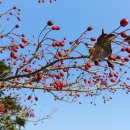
(102, 47)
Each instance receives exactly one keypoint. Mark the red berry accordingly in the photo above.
(14, 7)
(23, 35)
(10, 13)
(124, 22)
(36, 98)
(57, 44)
(12, 55)
(56, 56)
(14, 49)
(54, 28)
(57, 28)
(16, 26)
(53, 44)
(111, 74)
(62, 85)
(58, 76)
(128, 49)
(89, 28)
(113, 80)
(26, 69)
(61, 74)
(61, 43)
(88, 64)
(24, 40)
(86, 67)
(29, 97)
(123, 49)
(21, 45)
(18, 18)
(60, 54)
(126, 59)
(116, 75)
(39, 77)
(14, 63)
(112, 57)
(93, 39)
(50, 23)
(123, 34)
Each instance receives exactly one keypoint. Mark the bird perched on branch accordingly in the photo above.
(102, 47)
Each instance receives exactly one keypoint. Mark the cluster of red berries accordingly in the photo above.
(116, 57)
(55, 28)
(15, 49)
(27, 70)
(50, 23)
(127, 49)
(58, 44)
(13, 55)
(61, 74)
(112, 75)
(58, 85)
(39, 77)
(87, 65)
(17, 16)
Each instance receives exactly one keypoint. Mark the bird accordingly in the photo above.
(102, 47)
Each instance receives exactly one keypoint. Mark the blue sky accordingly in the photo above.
(74, 16)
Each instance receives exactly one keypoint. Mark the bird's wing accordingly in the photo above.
(99, 53)
(105, 40)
